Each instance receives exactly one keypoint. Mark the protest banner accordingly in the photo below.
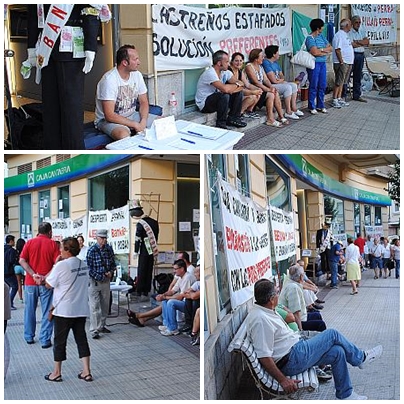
(374, 231)
(61, 228)
(379, 21)
(186, 37)
(341, 237)
(246, 242)
(283, 233)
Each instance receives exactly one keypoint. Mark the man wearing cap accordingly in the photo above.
(101, 265)
(147, 232)
(323, 243)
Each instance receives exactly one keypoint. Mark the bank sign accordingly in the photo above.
(63, 172)
(311, 175)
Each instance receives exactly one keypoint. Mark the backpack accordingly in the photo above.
(161, 282)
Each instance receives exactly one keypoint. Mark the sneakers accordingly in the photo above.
(313, 112)
(95, 335)
(251, 115)
(336, 104)
(371, 355)
(343, 103)
(291, 116)
(323, 110)
(299, 113)
(354, 396)
(195, 340)
(360, 99)
(236, 122)
(168, 333)
(13, 308)
(104, 330)
(323, 376)
(162, 327)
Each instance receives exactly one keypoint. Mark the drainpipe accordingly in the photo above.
(115, 28)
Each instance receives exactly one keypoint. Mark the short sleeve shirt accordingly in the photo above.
(357, 36)
(293, 298)
(319, 41)
(184, 283)
(269, 334)
(205, 88)
(341, 41)
(112, 87)
(272, 67)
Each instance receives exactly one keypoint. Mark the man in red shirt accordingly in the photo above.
(37, 258)
(360, 242)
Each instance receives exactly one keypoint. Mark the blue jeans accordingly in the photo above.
(170, 308)
(377, 262)
(357, 75)
(397, 268)
(334, 273)
(318, 85)
(314, 322)
(31, 294)
(326, 348)
(13, 283)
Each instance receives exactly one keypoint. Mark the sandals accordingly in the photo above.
(275, 124)
(135, 321)
(130, 313)
(87, 378)
(284, 121)
(354, 293)
(56, 379)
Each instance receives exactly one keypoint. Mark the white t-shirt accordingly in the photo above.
(71, 302)
(386, 251)
(112, 87)
(196, 286)
(205, 87)
(341, 41)
(184, 283)
(83, 253)
(269, 334)
(352, 254)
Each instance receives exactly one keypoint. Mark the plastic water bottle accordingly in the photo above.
(173, 103)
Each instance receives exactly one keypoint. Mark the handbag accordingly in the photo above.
(304, 58)
(50, 313)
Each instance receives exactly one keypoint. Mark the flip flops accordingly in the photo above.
(87, 378)
(135, 321)
(56, 379)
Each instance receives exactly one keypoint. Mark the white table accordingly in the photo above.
(182, 142)
(120, 289)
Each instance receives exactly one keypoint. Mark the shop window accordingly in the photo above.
(109, 190)
(44, 206)
(26, 216)
(242, 172)
(368, 219)
(217, 163)
(334, 209)
(378, 215)
(188, 184)
(357, 218)
(64, 202)
(278, 186)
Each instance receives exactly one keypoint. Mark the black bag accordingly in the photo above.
(161, 282)
(25, 127)
(390, 264)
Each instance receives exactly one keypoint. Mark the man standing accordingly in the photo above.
(334, 260)
(376, 253)
(359, 40)
(218, 90)
(283, 353)
(37, 258)
(360, 242)
(323, 243)
(343, 58)
(101, 265)
(117, 94)
(10, 259)
(146, 238)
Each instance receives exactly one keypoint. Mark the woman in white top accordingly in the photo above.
(270, 97)
(69, 279)
(352, 257)
(83, 249)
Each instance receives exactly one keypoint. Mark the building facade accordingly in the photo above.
(311, 188)
(61, 187)
(133, 24)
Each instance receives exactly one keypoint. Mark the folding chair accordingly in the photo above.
(385, 68)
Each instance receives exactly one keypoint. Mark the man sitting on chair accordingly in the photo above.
(117, 94)
(283, 353)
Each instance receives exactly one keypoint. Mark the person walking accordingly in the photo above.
(395, 254)
(37, 258)
(18, 269)
(69, 280)
(10, 259)
(335, 257)
(386, 254)
(375, 253)
(101, 265)
(353, 269)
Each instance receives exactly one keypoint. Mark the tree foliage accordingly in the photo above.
(394, 183)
